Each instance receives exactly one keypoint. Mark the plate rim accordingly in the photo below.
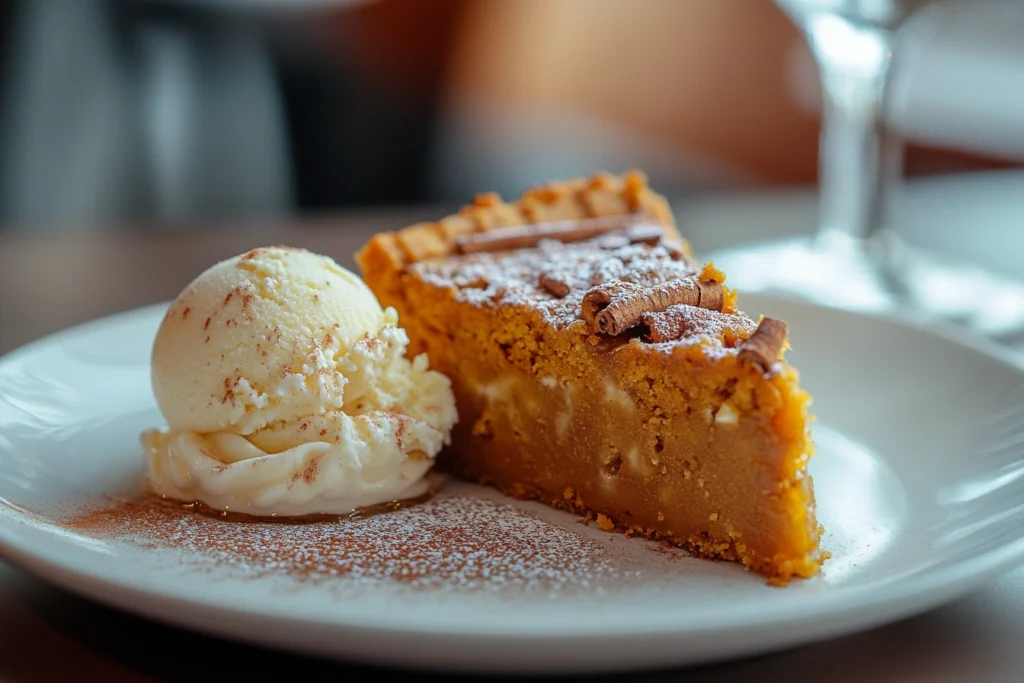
(927, 589)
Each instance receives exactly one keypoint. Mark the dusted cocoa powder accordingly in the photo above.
(445, 543)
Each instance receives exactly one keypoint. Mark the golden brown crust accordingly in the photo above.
(603, 194)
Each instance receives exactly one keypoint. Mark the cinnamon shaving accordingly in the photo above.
(762, 348)
(554, 285)
(526, 236)
(616, 307)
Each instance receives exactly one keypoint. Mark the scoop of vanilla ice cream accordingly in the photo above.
(260, 338)
(286, 390)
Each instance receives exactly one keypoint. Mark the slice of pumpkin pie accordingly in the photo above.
(600, 369)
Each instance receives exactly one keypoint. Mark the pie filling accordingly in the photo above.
(598, 368)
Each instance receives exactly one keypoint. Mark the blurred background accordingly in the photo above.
(143, 116)
(186, 112)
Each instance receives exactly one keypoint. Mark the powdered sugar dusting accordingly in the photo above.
(453, 543)
(679, 320)
(517, 278)
(513, 277)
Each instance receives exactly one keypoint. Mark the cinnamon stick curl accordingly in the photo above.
(650, 235)
(762, 348)
(615, 307)
(527, 236)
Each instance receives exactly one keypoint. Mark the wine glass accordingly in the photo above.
(855, 260)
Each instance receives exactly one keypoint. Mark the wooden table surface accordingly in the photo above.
(47, 283)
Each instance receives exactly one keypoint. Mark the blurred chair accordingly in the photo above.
(158, 111)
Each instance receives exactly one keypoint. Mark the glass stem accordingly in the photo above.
(854, 60)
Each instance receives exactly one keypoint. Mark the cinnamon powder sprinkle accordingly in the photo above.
(450, 543)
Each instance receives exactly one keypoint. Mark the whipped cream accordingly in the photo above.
(328, 464)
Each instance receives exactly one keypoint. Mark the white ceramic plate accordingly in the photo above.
(919, 477)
